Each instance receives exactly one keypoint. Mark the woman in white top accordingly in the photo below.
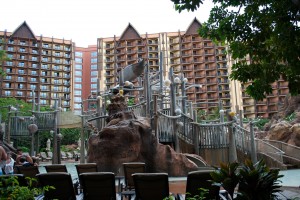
(9, 167)
(3, 158)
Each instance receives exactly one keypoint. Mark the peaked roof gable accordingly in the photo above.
(130, 33)
(23, 31)
(193, 27)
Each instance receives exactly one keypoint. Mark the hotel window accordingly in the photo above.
(94, 60)
(78, 73)
(11, 41)
(57, 47)
(10, 56)
(34, 65)
(94, 86)
(94, 73)
(57, 54)
(34, 58)
(55, 88)
(21, 86)
(57, 60)
(7, 93)
(78, 54)
(32, 87)
(77, 99)
(46, 45)
(19, 93)
(56, 81)
(9, 70)
(77, 92)
(7, 85)
(9, 63)
(78, 67)
(45, 59)
(44, 66)
(78, 79)
(22, 49)
(10, 49)
(78, 86)
(22, 43)
(56, 67)
(43, 102)
(44, 87)
(22, 57)
(78, 60)
(34, 51)
(44, 73)
(94, 54)
(8, 77)
(93, 79)
(33, 73)
(44, 80)
(93, 67)
(21, 71)
(43, 94)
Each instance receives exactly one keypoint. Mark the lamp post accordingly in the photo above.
(59, 138)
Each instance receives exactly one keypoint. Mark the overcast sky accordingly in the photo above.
(84, 21)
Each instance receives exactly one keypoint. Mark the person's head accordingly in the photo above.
(19, 151)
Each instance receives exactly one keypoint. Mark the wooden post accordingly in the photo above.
(232, 148)
(253, 147)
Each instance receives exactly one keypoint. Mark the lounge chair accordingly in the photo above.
(200, 179)
(29, 171)
(50, 154)
(44, 156)
(86, 167)
(149, 186)
(129, 169)
(98, 185)
(56, 168)
(62, 182)
(63, 155)
(69, 155)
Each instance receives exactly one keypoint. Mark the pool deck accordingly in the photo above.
(290, 181)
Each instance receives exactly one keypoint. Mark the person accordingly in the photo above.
(23, 159)
(9, 166)
(3, 157)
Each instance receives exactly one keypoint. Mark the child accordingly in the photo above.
(9, 167)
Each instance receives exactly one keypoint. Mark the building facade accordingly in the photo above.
(39, 67)
(55, 68)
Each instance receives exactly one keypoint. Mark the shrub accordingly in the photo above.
(11, 189)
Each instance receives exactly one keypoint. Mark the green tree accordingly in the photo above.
(266, 31)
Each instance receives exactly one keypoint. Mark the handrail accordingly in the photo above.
(270, 150)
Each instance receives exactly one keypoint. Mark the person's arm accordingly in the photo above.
(3, 155)
(29, 159)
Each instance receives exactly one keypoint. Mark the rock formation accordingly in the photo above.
(284, 130)
(128, 138)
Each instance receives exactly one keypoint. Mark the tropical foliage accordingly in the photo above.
(267, 32)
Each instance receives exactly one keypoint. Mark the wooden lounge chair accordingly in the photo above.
(200, 179)
(56, 168)
(29, 171)
(86, 167)
(63, 155)
(98, 185)
(69, 155)
(62, 182)
(129, 169)
(44, 156)
(149, 186)
(50, 154)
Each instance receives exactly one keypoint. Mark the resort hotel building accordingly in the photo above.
(49, 69)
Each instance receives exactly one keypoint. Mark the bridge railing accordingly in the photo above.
(270, 150)
(242, 138)
(45, 120)
(138, 110)
(19, 125)
(185, 129)
(166, 128)
(288, 149)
